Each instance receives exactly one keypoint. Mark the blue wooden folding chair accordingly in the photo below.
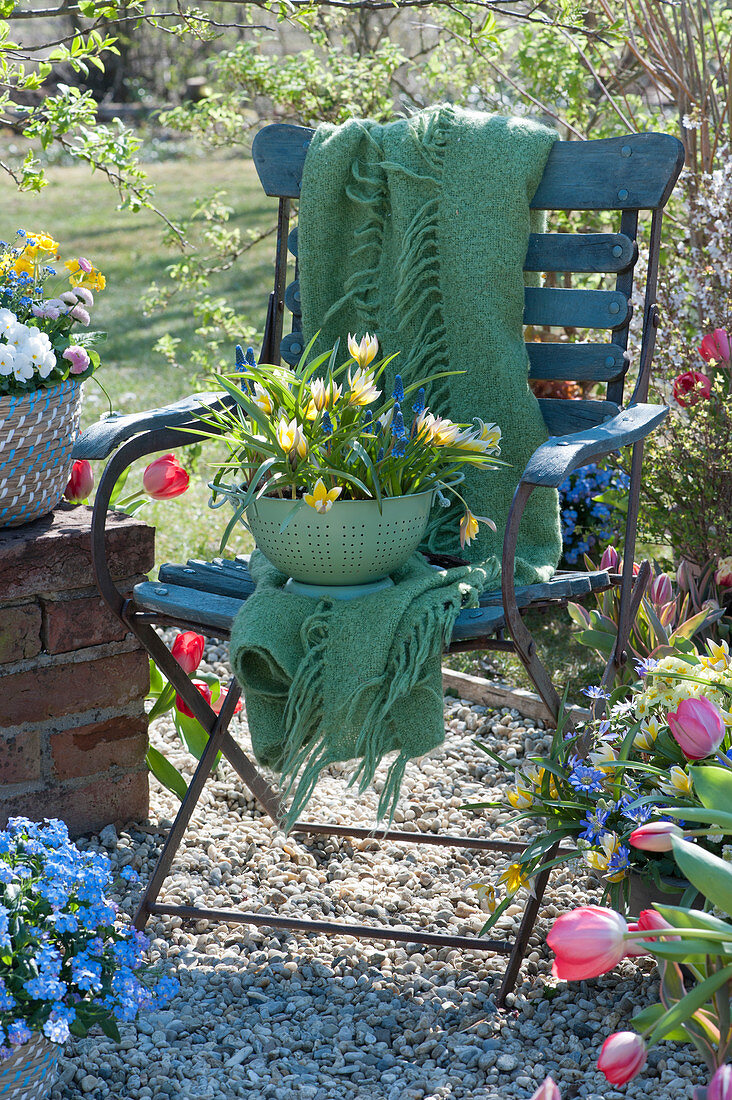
(623, 175)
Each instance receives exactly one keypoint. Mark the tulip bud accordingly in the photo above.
(202, 688)
(697, 726)
(720, 1086)
(165, 478)
(81, 482)
(723, 575)
(610, 559)
(684, 576)
(690, 386)
(655, 836)
(648, 921)
(587, 942)
(188, 650)
(660, 590)
(716, 347)
(623, 1055)
(549, 1090)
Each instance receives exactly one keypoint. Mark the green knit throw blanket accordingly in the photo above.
(416, 230)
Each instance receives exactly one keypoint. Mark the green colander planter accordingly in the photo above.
(352, 544)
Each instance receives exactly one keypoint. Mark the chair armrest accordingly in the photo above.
(100, 439)
(560, 455)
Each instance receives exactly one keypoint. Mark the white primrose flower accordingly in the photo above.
(19, 334)
(7, 357)
(40, 352)
(22, 367)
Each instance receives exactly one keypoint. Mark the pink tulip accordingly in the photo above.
(655, 836)
(610, 559)
(81, 482)
(690, 386)
(78, 357)
(697, 726)
(623, 1055)
(549, 1090)
(165, 478)
(716, 346)
(660, 590)
(720, 1086)
(587, 942)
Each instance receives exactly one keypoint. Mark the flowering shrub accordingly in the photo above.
(316, 439)
(188, 652)
(36, 343)
(586, 521)
(598, 786)
(64, 964)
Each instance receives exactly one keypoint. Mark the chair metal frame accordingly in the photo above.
(147, 433)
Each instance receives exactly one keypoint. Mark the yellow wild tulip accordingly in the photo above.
(678, 782)
(291, 439)
(363, 388)
(514, 878)
(469, 527)
(262, 399)
(365, 351)
(486, 895)
(322, 499)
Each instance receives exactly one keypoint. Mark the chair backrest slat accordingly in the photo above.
(625, 174)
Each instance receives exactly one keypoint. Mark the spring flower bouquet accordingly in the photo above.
(39, 344)
(65, 964)
(601, 784)
(316, 434)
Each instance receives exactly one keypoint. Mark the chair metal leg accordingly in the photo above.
(527, 926)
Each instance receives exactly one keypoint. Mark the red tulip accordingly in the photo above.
(220, 702)
(697, 726)
(720, 1086)
(81, 482)
(610, 559)
(165, 478)
(188, 650)
(549, 1090)
(203, 690)
(690, 386)
(660, 590)
(623, 1055)
(587, 942)
(655, 836)
(715, 347)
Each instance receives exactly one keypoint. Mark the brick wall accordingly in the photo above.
(73, 730)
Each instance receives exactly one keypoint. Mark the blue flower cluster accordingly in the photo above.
(74, 960)
(587, 523)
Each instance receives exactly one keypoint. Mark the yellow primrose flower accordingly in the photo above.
(678, 782)
(291, 439)
(487, 895)
(363, 388)
(514, 878)
(24, 266)
(262, 399)
(322, 499)
(83, 273)
(469, 526)
(43, 242)
(364, 352)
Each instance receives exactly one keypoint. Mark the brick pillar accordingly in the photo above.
(73, 729)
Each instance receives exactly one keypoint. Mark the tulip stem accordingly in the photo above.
(695, 933)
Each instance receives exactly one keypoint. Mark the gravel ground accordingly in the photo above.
(277, 1015)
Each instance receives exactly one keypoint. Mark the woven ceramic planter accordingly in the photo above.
(31, 1071)
(352, 544)
(37, 433)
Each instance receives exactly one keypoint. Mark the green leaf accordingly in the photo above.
(688, 1005)
(110, 1029)
(156, 679)
(649, 1017)
(710, 874)
(166, 773)
(713, 785)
